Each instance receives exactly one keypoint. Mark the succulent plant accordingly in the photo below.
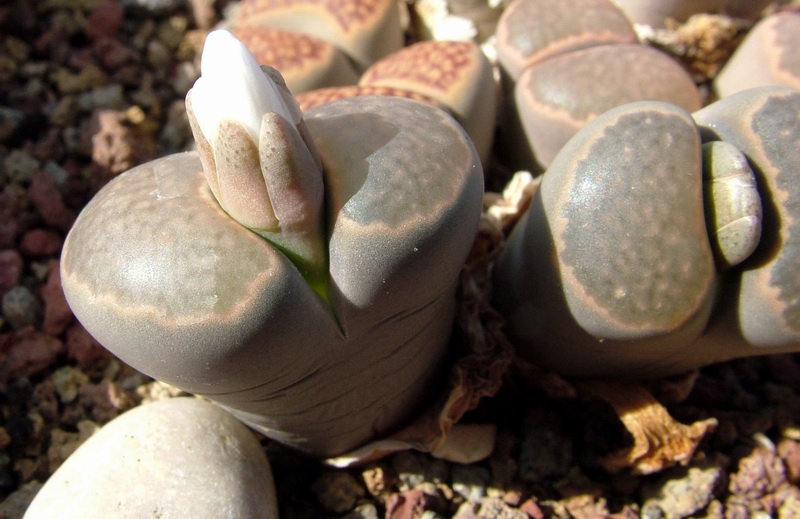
(365, 30)
(612, 271)
(453, 75)
(565, 63)
(299, 270)
(767, 56)
(305, 62)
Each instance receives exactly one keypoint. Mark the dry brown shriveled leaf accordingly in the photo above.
(659, 441)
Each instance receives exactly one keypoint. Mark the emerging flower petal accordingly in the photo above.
(233, 86)
(258, 159)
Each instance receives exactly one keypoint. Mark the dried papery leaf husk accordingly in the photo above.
(658, 440)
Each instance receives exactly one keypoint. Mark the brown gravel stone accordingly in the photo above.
(105, 21)
(337, 492)
(789, 451)
(44, 195)
(11, 267)
(38, 243)
(57, 314)
(30, 352)
(117, 145)
(82, 348)
(105, 400)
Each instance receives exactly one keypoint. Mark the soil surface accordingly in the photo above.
(90, 88)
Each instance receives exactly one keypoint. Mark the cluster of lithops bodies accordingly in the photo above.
(337, 50)
(455, 76)
(620, 269)
(347, 36)
(304, 276)
(565, 63)
(300, 268)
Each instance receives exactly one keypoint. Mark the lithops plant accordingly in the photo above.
(455, 76)
(618, 269)
(611, 271)
(767, 56)
(304, 62)
(365, 30)
(299, 271)
(565, 63)
(762, 308)
(182, 457)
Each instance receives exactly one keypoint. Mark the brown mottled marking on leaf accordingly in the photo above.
(347, 13)
(437, 64)
(322, 96)
(282, 50)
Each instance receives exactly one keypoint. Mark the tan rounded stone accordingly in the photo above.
(179, 458)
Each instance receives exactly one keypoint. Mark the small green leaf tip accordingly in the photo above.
(261, 167)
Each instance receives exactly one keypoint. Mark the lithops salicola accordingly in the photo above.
(531, 31)
(304, 62)
(568, 62)
(616, 271)
(610, 273)
(769, 55)
(762, 310)
(167, 276)
(559, 96)
(365, 30)
(456, 74)
(181, 457)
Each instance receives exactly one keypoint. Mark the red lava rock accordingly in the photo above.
(83, 348)
(105, 400)
(408, 504)
(38, 243)
(760, 473)
(113, 54)
(57, 314)
(29, 352)
(45, 197)
(9, 207)
(532, 509)
(105, 21)
(11, 267)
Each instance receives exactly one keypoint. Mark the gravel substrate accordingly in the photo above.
(90, 88)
